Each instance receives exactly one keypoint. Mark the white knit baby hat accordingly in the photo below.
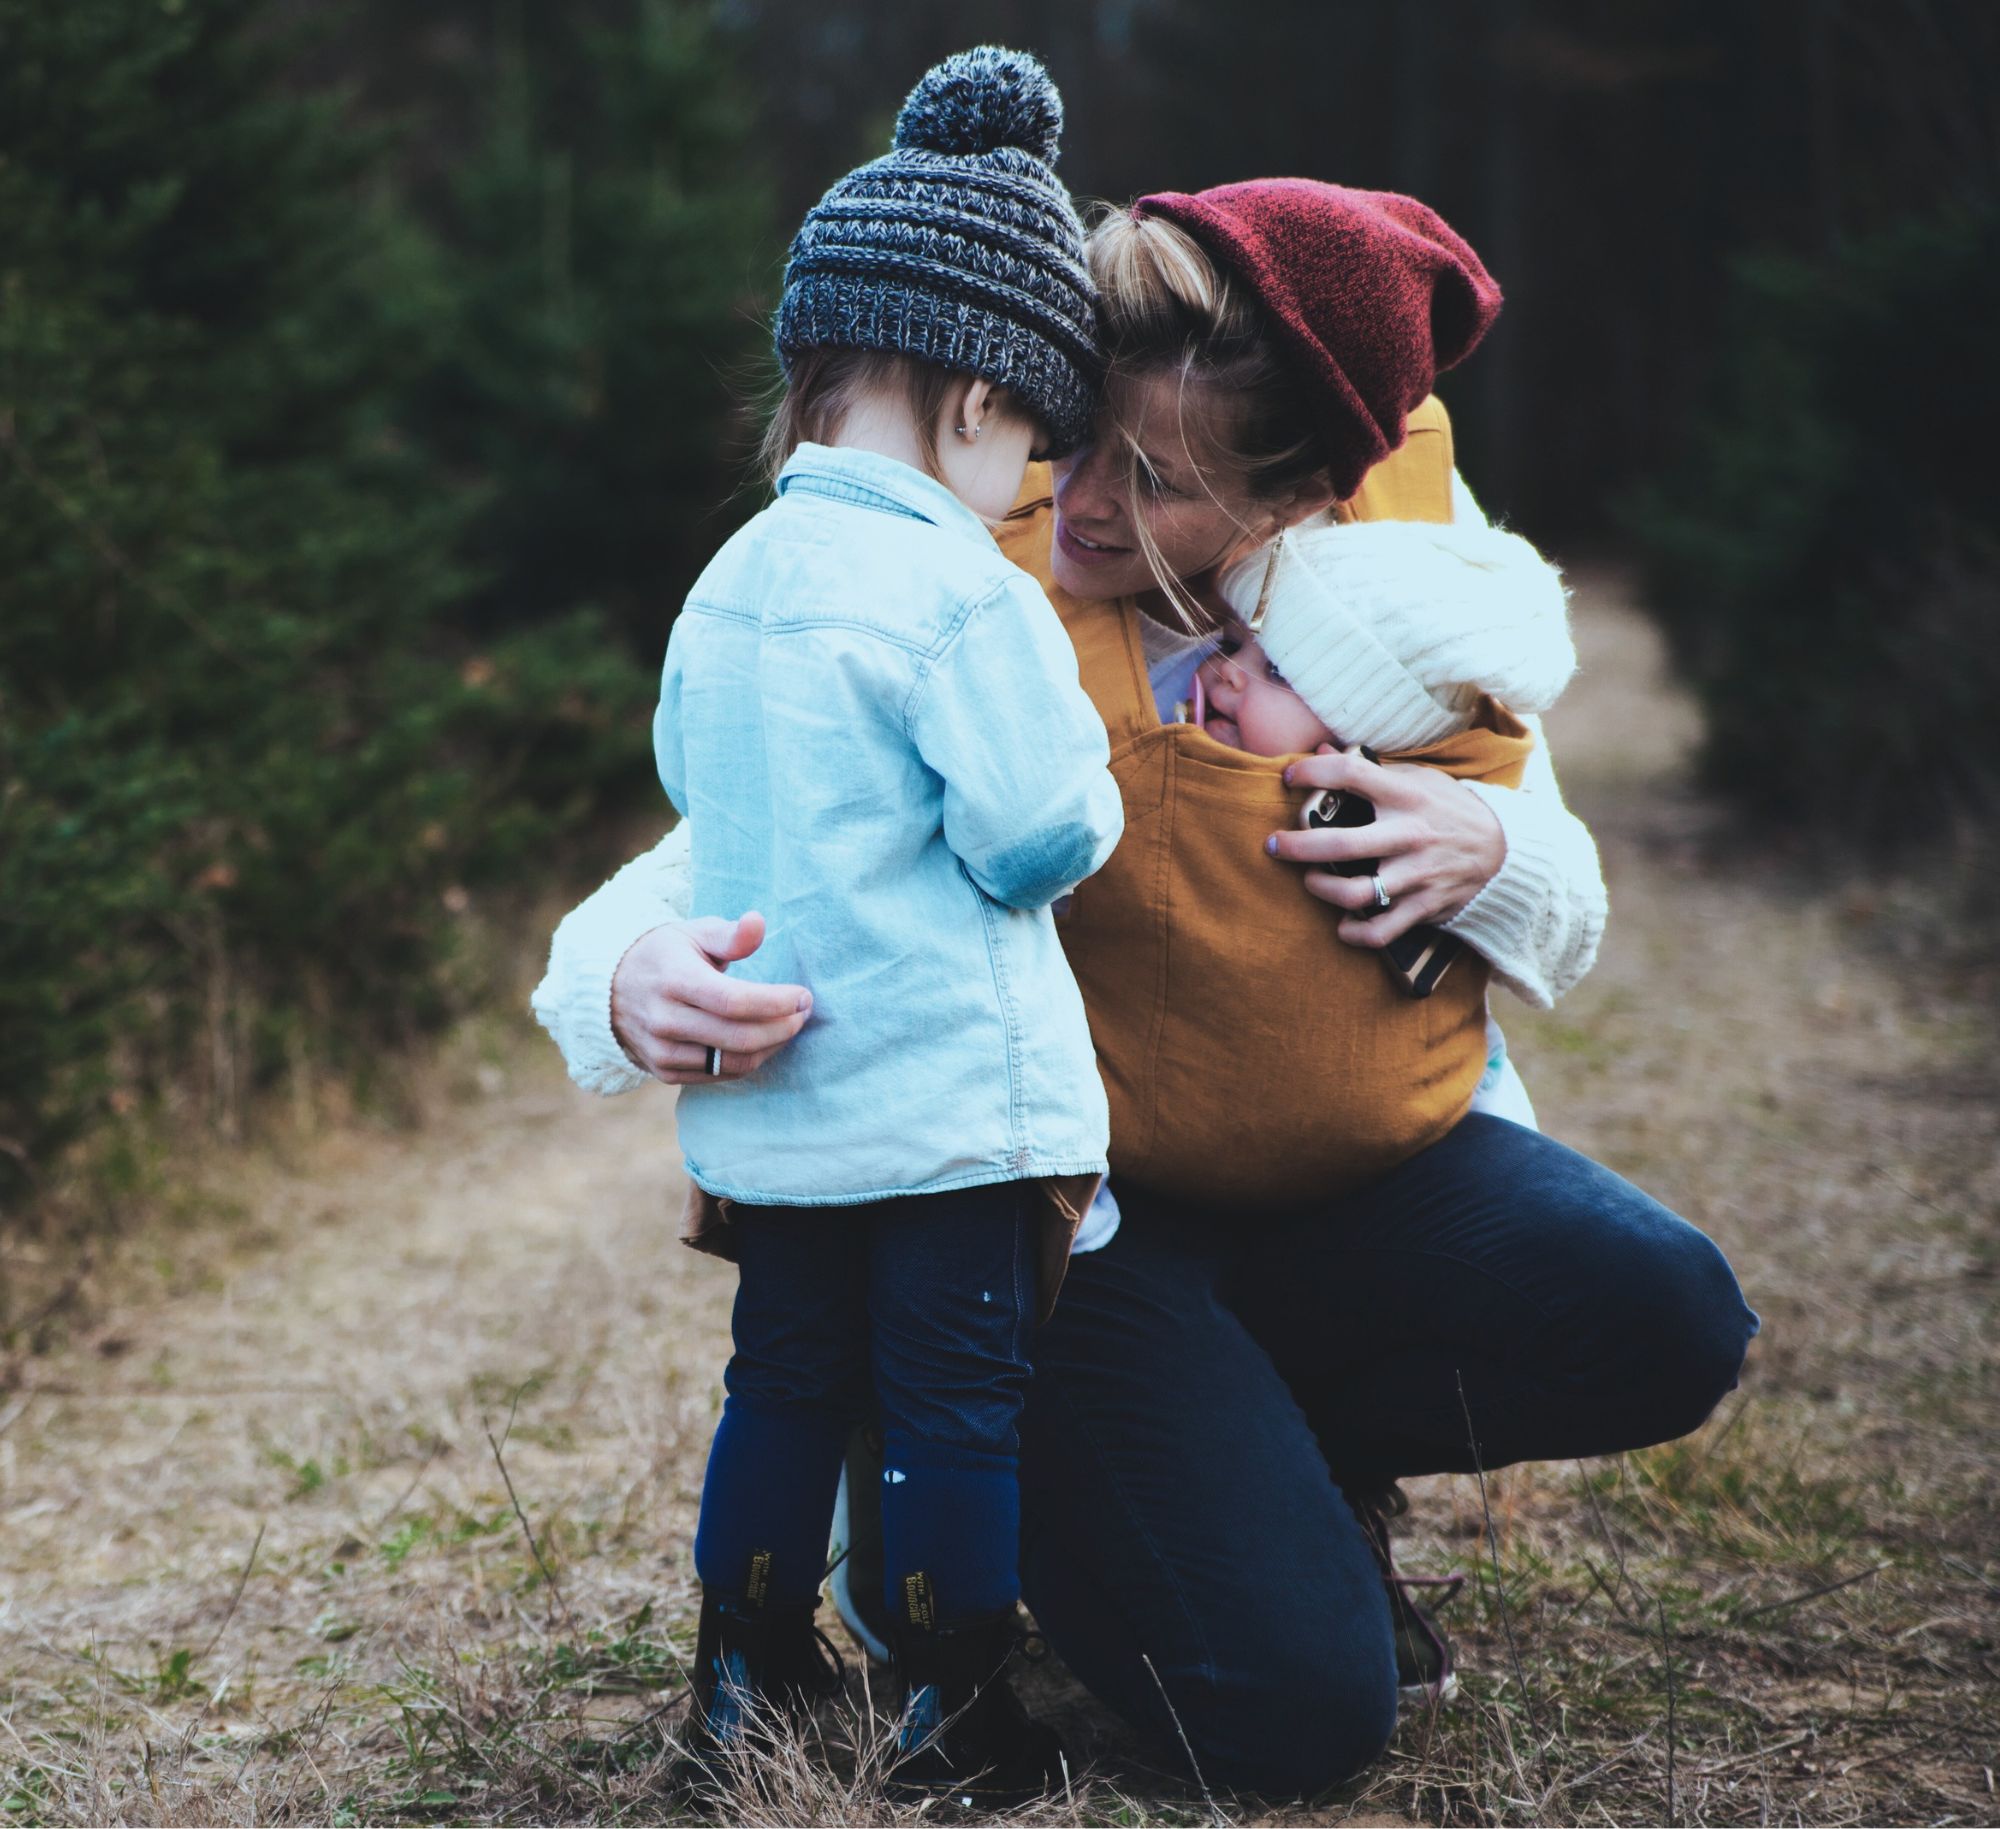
(1392, 630)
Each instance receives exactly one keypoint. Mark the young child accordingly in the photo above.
(872, 722)
(1301, 664)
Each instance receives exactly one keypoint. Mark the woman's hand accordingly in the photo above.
(672, 1001)
(1438, 842)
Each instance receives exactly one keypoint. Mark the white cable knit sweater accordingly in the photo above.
(1537, 923)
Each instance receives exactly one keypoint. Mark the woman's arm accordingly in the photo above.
(1540, 917)
(1511, 871)
(635, 990)
(573, 1000)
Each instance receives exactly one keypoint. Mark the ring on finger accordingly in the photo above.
(712, 1063)
(1382, 898)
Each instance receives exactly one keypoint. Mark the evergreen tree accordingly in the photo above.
(1824, 558)
(245, 762)
(608, 251)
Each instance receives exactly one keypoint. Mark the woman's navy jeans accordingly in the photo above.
(1211, 1381)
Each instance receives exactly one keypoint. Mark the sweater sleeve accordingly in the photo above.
(1539, 920)
(573, 1000)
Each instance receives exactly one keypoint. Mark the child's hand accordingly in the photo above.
(1438, 842)
(672, 1001)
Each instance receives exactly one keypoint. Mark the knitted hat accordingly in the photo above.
(1393, 631)
(1372, 296)
(960, 246)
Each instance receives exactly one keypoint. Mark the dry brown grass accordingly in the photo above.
(312, 1373)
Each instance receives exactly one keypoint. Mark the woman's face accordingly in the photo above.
(1197, 513)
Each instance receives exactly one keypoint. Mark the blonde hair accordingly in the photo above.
(1168, 307)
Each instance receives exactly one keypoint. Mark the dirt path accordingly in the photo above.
(315, 1379)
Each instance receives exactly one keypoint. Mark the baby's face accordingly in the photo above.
(1249, 705)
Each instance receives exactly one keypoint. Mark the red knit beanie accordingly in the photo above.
(1373, 295)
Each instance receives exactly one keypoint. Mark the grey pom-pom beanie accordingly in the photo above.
(959, 246)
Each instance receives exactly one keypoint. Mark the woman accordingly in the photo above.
(1230, 1385)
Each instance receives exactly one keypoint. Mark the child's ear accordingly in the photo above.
(970, 405)
(1314, 496)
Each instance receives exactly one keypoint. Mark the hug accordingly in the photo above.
(1105, 1204)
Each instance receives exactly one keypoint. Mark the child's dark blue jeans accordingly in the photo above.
(918, 1310)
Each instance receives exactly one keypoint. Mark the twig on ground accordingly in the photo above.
(1909, 1193)
(514, 1499)
(1208, 1797)
(180, 1393)
(1604, 1530)
(403, 1498)
(479, 1742)
(1576, 1784)
(1500, 1594)
(23, 1327)
(1757, 1753)
(242, 1582)
(18, 1408)
(1966, 1568)
(1667, 1657)
(1799, 1600)
(1716, 1437)
(1603, 1587)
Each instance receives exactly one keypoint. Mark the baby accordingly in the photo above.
(1372, 662)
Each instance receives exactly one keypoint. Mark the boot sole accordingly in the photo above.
(1415, 1698)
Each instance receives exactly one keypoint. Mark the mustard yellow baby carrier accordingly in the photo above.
(1249, 1056)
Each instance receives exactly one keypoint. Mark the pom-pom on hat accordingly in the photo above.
(1372, 296)
(959, 246)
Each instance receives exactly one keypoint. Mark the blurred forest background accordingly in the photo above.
(375, 377)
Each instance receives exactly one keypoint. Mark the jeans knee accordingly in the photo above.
(1696, 1329)
(831, 1386)
(1291, 1726)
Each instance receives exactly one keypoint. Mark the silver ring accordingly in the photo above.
(713, 1067)
(1381, 895)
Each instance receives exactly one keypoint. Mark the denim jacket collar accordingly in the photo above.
(871, 480)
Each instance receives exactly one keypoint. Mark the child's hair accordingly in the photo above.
(1167, 307)
(826, 385)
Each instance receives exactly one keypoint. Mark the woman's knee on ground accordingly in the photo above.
(1268, 1689)
(1296, 1718)
(1674, 1308)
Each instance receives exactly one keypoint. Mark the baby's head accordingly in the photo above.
(1388, 634)
(945, 283)
(1247, 703)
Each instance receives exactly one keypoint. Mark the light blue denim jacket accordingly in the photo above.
(872, 723)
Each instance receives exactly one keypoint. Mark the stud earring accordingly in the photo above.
(970, 431)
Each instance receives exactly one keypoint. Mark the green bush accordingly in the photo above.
(606, 257)
(1825, 561)
(258, 739)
